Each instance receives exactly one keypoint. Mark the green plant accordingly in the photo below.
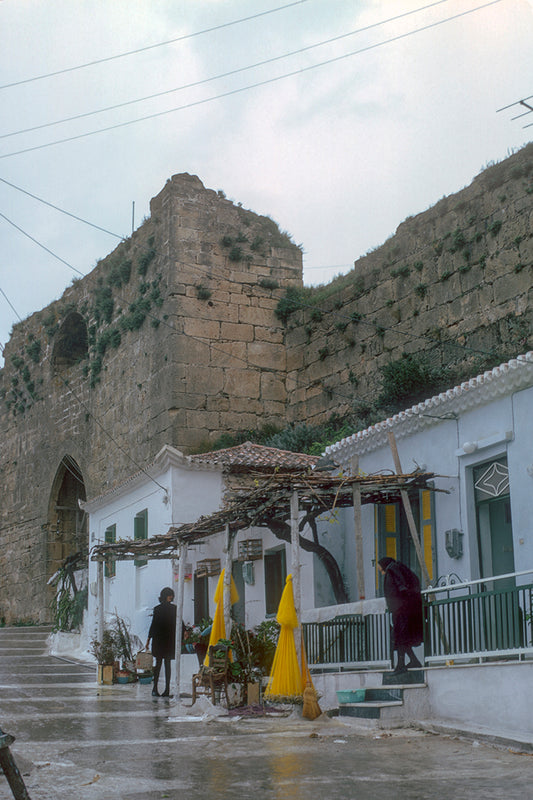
(34, 350)
(235, 254)
(408, 380)
(401, 272)
(144, 260)
(458, 241)
(287, 305)
(419, 266)
(268, 283)
(421, 290)
(69, 602)
(494, 227)
(202, 292)
(323, 353)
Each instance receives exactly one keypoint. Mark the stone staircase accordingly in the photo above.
(393, 700)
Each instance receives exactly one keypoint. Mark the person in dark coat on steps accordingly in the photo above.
(163, 635)
(404, 600)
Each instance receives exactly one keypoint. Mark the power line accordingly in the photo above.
(241, 89)
(39, 244)
(62, 210)
(11, 304)
(222, 75)
(152, 46)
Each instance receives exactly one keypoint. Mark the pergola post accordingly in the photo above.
(100, 596)
(226, 588)
(295, 570)
(358, 526)
(409, 511)
(182, 554)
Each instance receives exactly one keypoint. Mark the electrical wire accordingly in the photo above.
(240, 90)
(62, 210)
(39, 244)
(153, 46)
(222, 75)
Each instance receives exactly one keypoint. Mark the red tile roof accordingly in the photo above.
(256, 456)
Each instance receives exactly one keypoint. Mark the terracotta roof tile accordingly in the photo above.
(256, 456)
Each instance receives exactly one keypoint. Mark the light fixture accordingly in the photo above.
(470, 447)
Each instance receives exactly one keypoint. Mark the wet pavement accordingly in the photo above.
(78, 740)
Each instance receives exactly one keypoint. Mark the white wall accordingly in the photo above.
(501, 427)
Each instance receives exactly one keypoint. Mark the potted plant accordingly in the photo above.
(105, 654)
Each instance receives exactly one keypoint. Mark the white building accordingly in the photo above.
(478, 439)
(173, 490)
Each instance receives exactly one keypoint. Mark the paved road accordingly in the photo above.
(81, 741)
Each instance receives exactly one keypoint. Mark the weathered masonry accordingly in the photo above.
(173, 339)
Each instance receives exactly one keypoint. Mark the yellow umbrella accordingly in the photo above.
(218, 628)
(286, 677)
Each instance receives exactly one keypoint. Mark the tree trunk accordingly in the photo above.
(282, 530)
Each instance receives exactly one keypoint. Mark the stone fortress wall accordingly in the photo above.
(173, 339)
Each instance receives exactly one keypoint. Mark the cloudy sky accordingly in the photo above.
(338, 118)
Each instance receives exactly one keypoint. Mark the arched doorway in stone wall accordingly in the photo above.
(67, 524)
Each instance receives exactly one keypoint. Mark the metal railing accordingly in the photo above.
(348, 639)
(485, 618)
(463, 620)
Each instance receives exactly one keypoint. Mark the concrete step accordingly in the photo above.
(370, 709)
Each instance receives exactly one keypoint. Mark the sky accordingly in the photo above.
(356, 121)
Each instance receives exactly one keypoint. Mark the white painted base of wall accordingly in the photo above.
(492, 698)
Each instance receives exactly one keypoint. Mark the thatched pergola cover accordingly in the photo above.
(254, 498)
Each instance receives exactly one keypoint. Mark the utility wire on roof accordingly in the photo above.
(153, 46)
(266, 82)
(222, 75)
(62, 210)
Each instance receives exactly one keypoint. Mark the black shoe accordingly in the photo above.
(414, 664)
(166, 694)
(155, 693)
(399, 670)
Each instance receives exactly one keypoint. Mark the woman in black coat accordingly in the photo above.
(404, 600)
(163, 635)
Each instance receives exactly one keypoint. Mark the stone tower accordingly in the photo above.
(171, 339)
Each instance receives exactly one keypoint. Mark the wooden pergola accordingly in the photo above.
(253, 498)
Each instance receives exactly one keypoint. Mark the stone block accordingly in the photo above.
(266, 355)
(236, 332)
(272, 387)
(202, 328)
(241, 383)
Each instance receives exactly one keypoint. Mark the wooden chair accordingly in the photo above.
(211, 679)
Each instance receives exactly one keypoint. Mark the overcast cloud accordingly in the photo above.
(338, 155)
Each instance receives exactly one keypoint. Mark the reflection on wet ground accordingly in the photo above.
(81, 741)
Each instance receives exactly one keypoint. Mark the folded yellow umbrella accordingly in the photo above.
(218, 629)
(286, 679)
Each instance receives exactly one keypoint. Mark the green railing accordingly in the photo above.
(478, 620)
(471, 620)
(348, 639)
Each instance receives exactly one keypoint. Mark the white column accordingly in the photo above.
(358, 526)
(182, 555)
(226, 589)
(295, 569)
(100, 595)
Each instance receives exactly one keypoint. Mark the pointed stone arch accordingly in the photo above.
(67, 523)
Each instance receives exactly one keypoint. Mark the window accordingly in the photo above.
(493, 517)
(275, 575)
(393, 537)
(110, 537)
(140, 531)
